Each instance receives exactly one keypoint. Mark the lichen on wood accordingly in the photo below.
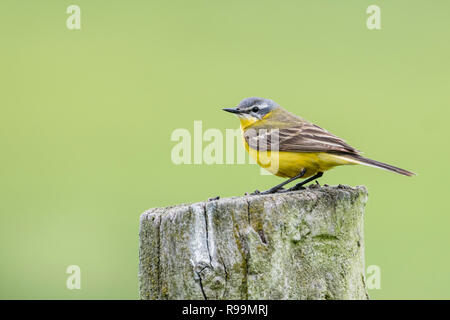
(307, 244)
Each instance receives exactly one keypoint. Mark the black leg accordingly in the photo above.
(299, 185)
(278, 187)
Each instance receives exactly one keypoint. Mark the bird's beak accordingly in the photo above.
(232, 110)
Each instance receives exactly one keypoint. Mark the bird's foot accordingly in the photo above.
(270, 191)
(314, 185)
(273, 191)
(254, 193)
(296, 188)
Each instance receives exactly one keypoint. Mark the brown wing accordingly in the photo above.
(306, 137)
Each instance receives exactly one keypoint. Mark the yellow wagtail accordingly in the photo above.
(299, 148)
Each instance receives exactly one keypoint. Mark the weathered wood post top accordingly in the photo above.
(306, 244)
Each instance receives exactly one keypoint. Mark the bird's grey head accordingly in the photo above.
(253, 107)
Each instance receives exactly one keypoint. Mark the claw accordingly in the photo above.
(271, 191)
(296, 188)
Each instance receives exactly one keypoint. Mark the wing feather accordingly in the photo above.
(304, 137)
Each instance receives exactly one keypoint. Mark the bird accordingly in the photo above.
(289, 146)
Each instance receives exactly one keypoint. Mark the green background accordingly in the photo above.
(86, 118)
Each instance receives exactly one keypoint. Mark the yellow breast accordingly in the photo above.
(289, 164)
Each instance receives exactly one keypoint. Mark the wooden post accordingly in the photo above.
(307, 244)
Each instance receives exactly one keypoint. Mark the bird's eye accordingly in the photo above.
(255, 109)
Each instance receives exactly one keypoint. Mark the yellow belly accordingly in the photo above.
(289, 164)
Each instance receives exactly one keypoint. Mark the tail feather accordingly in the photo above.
(373, 163)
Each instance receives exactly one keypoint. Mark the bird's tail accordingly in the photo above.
(357, 159)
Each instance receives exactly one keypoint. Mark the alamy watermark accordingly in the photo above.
(73, 22)
(373, 278)
(74, 279)
(211, 146)
(374, 20)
